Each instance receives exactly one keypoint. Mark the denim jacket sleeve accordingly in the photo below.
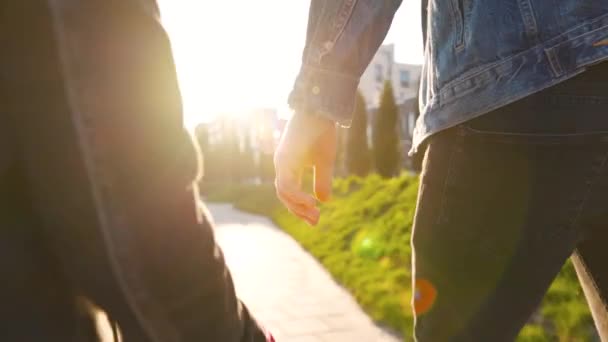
(341, 39)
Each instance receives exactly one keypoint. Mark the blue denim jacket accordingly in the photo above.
(479, 55)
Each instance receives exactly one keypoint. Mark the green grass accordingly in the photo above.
(363, 241)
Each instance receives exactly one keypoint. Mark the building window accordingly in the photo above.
(404, 78)
(379, 73)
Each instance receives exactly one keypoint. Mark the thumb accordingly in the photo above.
(324, 173)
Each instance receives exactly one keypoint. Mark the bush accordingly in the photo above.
(363, 241)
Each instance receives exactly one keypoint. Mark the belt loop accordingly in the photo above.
(558, 71)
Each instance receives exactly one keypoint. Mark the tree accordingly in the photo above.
(385, 136)
(358, 159)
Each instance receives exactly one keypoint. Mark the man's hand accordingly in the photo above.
(308, 141)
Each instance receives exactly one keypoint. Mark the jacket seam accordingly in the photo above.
(550, 44)
(313, 39)
(527, 13)
(556, 67)
(344, 15)
(419, 139)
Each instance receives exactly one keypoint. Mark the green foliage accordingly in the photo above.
(574, 324)
(358, 159)
(363, 239)
(385, 135)
(533, 333)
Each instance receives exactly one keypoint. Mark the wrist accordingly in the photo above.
(312, 122)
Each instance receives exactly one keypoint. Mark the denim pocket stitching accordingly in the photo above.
(507, 137)
(557, 135)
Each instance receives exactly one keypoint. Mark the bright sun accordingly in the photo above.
(231, 61)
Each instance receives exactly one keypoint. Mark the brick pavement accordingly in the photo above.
(285, 287)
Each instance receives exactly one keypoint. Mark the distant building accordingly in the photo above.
(405, 81)
(404, 77)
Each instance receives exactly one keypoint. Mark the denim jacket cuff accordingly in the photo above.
(325, 93)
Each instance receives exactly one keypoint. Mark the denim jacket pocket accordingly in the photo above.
(458, 18)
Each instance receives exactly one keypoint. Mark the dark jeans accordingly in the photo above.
(97, 199)
(504, 201)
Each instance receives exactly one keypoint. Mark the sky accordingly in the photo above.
(233, 56)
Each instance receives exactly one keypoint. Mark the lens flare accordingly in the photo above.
(425, 295)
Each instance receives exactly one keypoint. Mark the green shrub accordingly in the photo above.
(363, 241)
(533, 333)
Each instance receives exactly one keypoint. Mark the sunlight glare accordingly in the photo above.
(233, 56)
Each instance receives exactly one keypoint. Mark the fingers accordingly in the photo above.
(307, 141)
(323, 180)
(311, 216)
(297, 201)
(289, 188)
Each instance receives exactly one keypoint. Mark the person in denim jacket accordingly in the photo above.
(514, 132)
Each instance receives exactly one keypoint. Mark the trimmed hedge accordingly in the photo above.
(363, 239)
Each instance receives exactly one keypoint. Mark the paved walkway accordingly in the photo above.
(286, 288)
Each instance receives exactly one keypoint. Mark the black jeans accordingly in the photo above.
(504, 200)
